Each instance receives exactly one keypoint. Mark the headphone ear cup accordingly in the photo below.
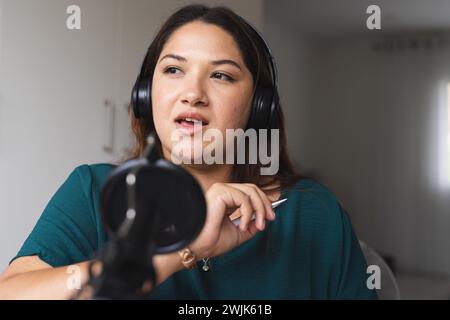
(274, 113)
(141, 99)
(260, 116)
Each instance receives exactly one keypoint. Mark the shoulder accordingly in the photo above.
(313, 213)
(311, 200)
(92, 175)
(69, 229)
(95, 171)
(83, 186)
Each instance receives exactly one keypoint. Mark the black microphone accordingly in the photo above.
(149, 206)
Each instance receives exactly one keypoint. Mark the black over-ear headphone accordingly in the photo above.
(263, 114)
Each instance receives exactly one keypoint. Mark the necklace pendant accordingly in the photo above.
(205, 265)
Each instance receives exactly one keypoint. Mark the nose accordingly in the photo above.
(194, 93)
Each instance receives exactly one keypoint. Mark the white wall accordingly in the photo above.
(292, 53)
(372, 133)
(53, 83)
(371, 125)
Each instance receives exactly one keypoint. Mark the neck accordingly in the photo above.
(207, 175)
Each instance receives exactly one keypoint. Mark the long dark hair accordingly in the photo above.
(252, 51)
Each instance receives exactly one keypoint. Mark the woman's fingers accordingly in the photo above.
(246, 211)
(219, 233)
(229, 197)
(270, 215)
(239, 195)
(261, 206)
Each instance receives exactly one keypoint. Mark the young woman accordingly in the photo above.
(205, 64)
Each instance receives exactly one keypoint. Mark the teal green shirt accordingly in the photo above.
(308, 252)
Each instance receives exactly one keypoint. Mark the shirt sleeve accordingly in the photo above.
(66, 231)
(353, 275)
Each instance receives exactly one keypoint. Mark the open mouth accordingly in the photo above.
(191, 122)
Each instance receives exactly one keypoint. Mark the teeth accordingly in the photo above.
(193, 120)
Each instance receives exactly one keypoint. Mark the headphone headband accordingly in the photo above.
(269, 54)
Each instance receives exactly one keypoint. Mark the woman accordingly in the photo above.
(307, 250)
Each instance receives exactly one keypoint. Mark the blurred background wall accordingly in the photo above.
(368, 116)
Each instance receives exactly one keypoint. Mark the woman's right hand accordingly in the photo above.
(219, 234)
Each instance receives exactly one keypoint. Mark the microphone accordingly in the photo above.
(149, 206)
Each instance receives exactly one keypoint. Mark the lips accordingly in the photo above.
(190, 122)
(191, 118)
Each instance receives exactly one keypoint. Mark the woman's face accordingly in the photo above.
(187, 83)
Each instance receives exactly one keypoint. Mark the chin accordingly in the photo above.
(186, 154)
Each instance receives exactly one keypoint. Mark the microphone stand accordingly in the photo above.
(124, 268)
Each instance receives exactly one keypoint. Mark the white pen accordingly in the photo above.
(274, 205)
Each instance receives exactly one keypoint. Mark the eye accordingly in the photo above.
(169, 70)
(227, 77)
(222, 76)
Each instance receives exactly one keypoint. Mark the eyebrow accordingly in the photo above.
(214, 62)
